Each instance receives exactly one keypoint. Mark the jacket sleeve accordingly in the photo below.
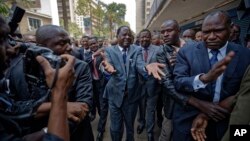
(167, 81)
(183, 81)
(84, 85)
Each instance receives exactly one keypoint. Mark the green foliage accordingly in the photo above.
(6, 4)
(108, 16)
(84, 7)
(4, 9)
(74, 30)
(115, 16)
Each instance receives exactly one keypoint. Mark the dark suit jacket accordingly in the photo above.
(149, 86)
(90, 61)
(78, 53)
(81, 91)
(193, 60)
(125, 78)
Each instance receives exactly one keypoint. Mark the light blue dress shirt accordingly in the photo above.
(198, 84)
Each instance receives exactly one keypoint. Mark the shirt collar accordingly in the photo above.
(222, 50)
(121, 48)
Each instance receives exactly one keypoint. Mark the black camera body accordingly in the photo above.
(33, 71)
(23, 46)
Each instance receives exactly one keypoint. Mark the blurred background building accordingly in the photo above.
(189, 13)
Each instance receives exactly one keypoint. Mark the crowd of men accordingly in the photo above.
(195, 81)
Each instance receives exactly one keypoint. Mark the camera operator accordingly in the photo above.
(57, 125)
(79, 95)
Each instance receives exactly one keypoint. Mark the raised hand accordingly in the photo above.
(66, 74)
(107, 66)
(217, 69)
(199, 127)
(155, 70)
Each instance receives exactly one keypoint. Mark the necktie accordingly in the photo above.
(124, 55)
(213, 61)
(95, 73)
(214, 58)
(145, 54)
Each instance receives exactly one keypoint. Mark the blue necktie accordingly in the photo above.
(213, 61)
(124, 55)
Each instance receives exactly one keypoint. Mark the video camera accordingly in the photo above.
(34, 74)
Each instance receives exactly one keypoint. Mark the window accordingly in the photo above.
(34, 23)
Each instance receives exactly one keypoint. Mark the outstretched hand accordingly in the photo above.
(155, 70)
(107, 66)
(217, 69)
(199, 127)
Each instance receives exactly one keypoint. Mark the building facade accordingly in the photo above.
(190, 13)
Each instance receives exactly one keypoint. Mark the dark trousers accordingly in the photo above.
(83, 132)
(97, 91)
(120, 115)
(147, 107)
(100, 103)
(103, 113)
(159, 107)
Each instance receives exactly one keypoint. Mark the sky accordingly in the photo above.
(130, 13)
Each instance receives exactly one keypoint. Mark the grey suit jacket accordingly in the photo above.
(126, 76)
(149, 86)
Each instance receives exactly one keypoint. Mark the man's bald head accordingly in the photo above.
(47, 32)
(171, 22)
(223, 16)
(189, 34)
(170, 32)
(216, 29)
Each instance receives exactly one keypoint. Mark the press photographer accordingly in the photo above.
(57, 125)
(79, 102)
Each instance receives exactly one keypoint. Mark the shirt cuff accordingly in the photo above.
(197, 83)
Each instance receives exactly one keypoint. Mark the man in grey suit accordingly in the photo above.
(148, 88)
(125, 62)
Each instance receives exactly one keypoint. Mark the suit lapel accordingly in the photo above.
(150, 53)
(232, 65)
(202, 58)
(119, 55)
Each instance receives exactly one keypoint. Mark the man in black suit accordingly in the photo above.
(98, 87)
(209, 71)
(79, 95)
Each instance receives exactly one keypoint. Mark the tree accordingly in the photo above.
(65, 15)
(4, 9)
(74, 30)
(115, 16)
(99, 13)
(6, 4)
